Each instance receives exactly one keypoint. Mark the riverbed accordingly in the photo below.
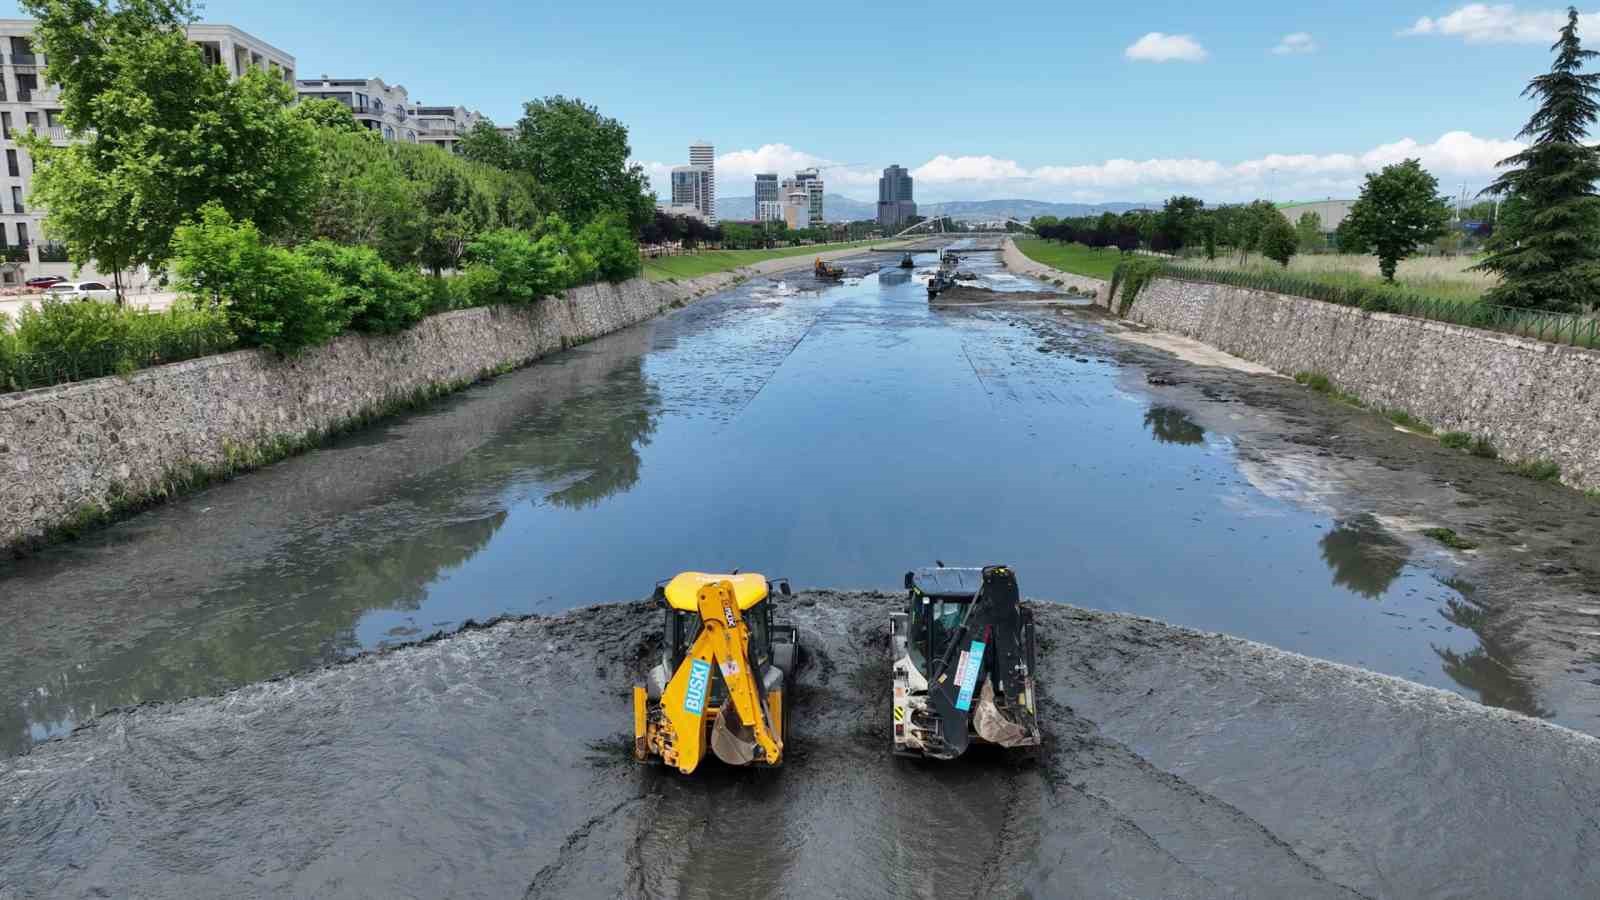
(838, 435)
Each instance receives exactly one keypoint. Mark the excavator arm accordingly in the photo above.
(677, 732)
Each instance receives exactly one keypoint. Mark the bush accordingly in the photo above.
(272, 298)
(70, 341)
(372, 297)
(1449, 538)
(1482, 447)
(1315, 380)
(8, 353)
(1538, 470)
(91, 334)
(524, 269)
(479, 285)
(575, 264)
(609, 241)
(1456, 440)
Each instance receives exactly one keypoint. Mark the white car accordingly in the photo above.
(79, 290)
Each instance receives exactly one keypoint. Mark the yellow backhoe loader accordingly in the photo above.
(724, 675)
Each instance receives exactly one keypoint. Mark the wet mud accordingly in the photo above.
(495, 763)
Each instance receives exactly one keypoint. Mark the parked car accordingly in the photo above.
(40, 282)
(79, 290)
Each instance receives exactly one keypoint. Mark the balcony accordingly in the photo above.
(16, 254)
(54, 253)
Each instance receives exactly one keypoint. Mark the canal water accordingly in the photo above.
(836, 435)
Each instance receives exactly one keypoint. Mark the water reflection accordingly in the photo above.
(1363, 556)
(302, 604)
(1490, 668)
(1171, 425)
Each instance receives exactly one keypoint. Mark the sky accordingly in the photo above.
(1052, 101)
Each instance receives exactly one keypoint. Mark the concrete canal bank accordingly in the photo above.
(77, 453)
(495, 763)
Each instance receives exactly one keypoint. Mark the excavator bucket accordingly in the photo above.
(963, 663)
(721, 683)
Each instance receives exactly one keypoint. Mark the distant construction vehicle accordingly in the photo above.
(963, 663)
(724, 677)
(825, 272)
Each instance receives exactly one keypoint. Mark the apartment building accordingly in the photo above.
(702, 154)
(809, 183)
(443, 126)
(381, 107)
(691, 190)
(768, 202)
(26, 101)
(896, 197)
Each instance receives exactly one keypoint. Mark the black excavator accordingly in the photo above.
(963, 658)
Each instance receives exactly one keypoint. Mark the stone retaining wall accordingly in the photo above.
(72, 453)
(1534, 400)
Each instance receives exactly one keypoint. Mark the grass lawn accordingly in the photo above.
(1440, 277)
(708, 261)
(1074, 258)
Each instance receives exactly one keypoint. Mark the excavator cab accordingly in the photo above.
(724, 675)
(963, 660)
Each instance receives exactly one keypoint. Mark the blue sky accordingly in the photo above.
(1055, 101)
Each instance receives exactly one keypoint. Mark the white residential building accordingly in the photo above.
(376, 105)
(27, 102)
(797, 210)
(692, 186)
(810, 181)
(443, 126)
(769, 211)
(702, 154)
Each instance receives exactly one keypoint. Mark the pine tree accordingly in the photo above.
(1549, 257)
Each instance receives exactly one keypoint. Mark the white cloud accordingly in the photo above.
(736, 170)
(1158, 47)
(1299, 42)
(1499, 23)
(1453, 157)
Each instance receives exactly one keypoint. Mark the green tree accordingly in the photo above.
(161, 132)
(488, 145)
(1180, 221)
(1548, 257)
(330, 114)
(1279, 242)
(1398, 211)
(364, 198)
(582, 156)
(1308, 229)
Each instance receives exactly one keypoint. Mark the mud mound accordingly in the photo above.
(495, 763)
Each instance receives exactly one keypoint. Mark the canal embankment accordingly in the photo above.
(76, 455)
(1534, 403)
(1020, 263)
(497, 762)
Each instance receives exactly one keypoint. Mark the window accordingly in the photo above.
(16, 206)
(5, 125)
(211, 52)
(26, 85)
(52, 117)
(92, 286)
(12, 166)
(22, 228)
(32, 119)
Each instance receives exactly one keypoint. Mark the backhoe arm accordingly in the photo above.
(724, 641)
